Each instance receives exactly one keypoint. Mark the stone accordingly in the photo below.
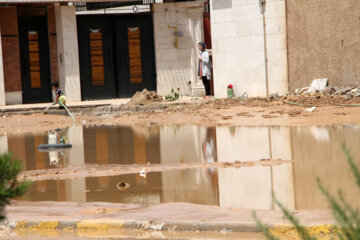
(346, 97)
(274, 95)
(300, 91)
(318, 85)
(345, 90)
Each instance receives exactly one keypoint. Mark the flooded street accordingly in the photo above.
(313, 151)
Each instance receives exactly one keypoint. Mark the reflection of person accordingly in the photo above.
(209, 146)
(59, 94)
(204, 68)
(53, 136)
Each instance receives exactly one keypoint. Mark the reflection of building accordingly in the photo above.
(183, 144)
(319, 154)
(251, 187)
(98, 50)
(315, 151)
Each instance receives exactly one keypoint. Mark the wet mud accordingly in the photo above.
(252, 111)
(115, 170)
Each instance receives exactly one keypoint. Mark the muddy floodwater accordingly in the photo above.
(314, 152)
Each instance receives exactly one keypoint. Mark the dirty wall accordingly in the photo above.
(178, 27)
(323, 41)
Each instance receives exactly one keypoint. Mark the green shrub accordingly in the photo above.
(9, 186)
(347, 217)
(173, 96)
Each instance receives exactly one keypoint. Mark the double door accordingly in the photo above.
(116, 55)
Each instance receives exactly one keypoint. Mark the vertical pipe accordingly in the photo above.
(262, 9)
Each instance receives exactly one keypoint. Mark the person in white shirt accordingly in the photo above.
(204, 69)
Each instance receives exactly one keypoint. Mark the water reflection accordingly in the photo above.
(316, 152)
(195, 186)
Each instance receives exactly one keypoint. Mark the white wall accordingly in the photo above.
(238, 47)
(176, 67)
(68, 58)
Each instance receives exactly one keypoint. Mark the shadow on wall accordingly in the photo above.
(221, 4)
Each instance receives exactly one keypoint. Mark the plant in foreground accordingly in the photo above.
(9, 186)
(347, 217)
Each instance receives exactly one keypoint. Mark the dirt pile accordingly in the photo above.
(144, 98)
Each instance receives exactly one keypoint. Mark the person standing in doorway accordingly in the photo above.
(204, 69)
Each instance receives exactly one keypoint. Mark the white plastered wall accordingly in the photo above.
(68, 59)
(238, 47)
(177, 67)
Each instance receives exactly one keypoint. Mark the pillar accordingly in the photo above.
(2, 84)
(68, 59)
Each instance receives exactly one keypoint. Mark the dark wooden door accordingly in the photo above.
(134, 53)
(35, 63)
(95, 38)
(117, 56)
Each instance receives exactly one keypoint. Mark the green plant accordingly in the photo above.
(173, 96)
(347, 217)
(9, 186)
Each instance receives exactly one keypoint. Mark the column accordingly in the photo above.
(68, 59)
(2, 83)
(195, 16)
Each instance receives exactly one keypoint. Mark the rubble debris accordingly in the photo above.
(318, 85)
(144, 97)
(346, 92)
(310, 109)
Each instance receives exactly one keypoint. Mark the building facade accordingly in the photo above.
(263, 47)
(98, 50)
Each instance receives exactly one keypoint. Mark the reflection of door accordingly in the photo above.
(35, 64)
(96, 62)
(116, 55)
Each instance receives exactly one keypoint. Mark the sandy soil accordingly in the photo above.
(254, 112)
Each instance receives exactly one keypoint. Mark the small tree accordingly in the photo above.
(347, 217)
(9, 186)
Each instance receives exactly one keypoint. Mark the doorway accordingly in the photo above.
(116, 55)
(34, 57)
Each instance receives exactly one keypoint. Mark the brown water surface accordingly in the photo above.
(316, 152)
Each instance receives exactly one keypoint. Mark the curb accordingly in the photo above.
(190, 226)
(99, 108)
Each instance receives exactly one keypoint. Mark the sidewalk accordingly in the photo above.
(39, 216)
(92, 103)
